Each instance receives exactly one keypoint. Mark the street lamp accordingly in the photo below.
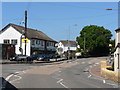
(112, 9)
(68, 51)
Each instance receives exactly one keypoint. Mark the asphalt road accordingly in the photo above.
(8, 69)
(77, 76)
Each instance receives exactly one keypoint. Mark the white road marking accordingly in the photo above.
(59, 80)
(89, 76)
(63, 85)
(8, 77)
(18, 78)
(104, 81)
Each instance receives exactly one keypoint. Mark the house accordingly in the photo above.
(117, 52)
(65, 45)
(37, 41)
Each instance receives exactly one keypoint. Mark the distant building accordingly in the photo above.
(65, 45)
(37, 41)
(117, 52)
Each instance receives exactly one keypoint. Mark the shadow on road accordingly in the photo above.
(5, 85)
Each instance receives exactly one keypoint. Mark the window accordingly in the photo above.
(14, 41)
(39, 42)
(53, 44)
(47, 43)
(7, 41)
(42, 43)
(36, 42)
(33, 42)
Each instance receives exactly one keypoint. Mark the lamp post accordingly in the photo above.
(117, 60)
(118, 13)
(68, 52)
(25, 30)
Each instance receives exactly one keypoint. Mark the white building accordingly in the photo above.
(38, 42)
(65, 45)
(117, 52)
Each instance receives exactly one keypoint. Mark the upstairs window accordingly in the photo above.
(47, 43)
(6, 41)
(33, 42)
(14, 41)
(42, 43)
(36, 42)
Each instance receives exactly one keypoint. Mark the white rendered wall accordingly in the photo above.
(117, 53)
(10, 33)
(60, 45)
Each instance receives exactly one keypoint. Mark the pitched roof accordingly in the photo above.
(31, 33)
(65, 42)
(117, 29)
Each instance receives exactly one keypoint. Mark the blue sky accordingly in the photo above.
(56, 18)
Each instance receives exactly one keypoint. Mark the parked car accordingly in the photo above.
(41, 58)
(18, 57)
(33, 57)
(44, 57)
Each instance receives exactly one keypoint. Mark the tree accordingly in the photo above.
(94, 40)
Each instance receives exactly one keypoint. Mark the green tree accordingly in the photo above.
(94, 40)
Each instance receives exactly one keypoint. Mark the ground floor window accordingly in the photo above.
(6, 41)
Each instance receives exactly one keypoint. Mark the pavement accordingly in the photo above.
(16, 62)
(96, 71)
(7, 62)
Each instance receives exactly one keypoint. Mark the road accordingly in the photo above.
(7, 70)
(72, 74)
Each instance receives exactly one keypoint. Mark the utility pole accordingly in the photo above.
(25, 30)
(68, 52)
(84, 42)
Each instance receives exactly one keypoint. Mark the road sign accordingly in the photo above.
(23, 40)
(68, 48)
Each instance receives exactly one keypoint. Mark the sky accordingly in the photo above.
(61, 20)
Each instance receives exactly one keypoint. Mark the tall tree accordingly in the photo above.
(94, 40)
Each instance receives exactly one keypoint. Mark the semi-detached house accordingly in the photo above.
(37, 41)
(65, 45)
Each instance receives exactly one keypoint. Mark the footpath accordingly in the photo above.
(96, 70)
(22, 62)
